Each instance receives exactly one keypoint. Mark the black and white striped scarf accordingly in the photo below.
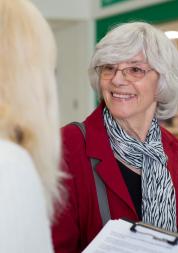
(158, 193)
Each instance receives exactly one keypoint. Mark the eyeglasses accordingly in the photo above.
(108, 71)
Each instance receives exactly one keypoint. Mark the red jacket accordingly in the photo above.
(80, 221)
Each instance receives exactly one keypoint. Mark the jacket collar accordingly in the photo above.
(170, 145)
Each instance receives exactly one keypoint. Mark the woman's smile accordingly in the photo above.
(123, 96)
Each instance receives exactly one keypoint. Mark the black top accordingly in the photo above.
(133, 183)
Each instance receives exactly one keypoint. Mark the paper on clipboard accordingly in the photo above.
(116, 236)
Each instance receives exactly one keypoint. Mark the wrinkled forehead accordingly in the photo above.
(139, 58)
(127, 57)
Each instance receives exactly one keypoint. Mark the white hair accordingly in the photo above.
(28, 94)
(127, 40)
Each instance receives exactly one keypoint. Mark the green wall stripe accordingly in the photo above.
(157, 13)
(106, 3)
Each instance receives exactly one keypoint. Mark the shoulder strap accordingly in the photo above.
(100, 186)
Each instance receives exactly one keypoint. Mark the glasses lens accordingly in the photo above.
(134, 73)
(108, 71)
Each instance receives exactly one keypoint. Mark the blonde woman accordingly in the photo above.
(29, 146)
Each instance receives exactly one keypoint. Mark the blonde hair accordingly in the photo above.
(28, 95)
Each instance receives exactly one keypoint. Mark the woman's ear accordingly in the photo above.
(22, 136)
(19, 134)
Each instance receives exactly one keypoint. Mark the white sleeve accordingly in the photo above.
(24, 226)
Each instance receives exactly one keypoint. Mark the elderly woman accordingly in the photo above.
(29, 148)
(135, 71)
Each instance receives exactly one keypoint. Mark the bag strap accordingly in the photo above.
(100, 186)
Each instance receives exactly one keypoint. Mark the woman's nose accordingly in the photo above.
(119, 78)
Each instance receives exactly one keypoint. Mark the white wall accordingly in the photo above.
(74, 33)
(75, 41)
(64, 9)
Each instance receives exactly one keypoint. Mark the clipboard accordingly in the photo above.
(156, 233)
(124, 236)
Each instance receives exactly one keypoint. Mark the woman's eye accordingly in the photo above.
(109, 67)
(136, 70)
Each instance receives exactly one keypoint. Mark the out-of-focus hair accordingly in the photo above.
(28, 94)
(127, 40)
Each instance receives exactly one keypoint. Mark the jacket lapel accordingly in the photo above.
(98, 147)
(170, 145)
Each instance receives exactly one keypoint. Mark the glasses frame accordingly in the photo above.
(98, 70)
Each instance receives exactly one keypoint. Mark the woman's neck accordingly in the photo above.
(137, 128)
